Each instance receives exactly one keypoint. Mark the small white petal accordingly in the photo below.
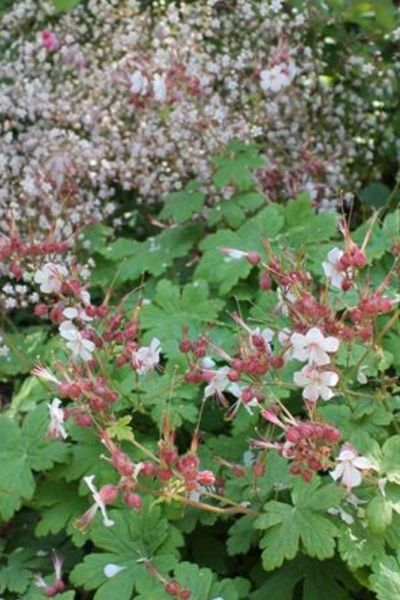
(112, 569)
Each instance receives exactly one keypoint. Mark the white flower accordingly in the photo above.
(361, 376)
(266, 334)
(72, 313)
(313, 347)
(43, 373)
(98, 502)
(112, 569)
(285, 296)
(79, 346)
(275, 79)
(237, 391)
(276, 5)
(147, 357)
(159, 88)
(139, 83)
(56, 428)
(234, 253)
(350, 467)
(333, 269)
(217, 383)
(50, 278)
(316, 384)
(207, 362)
(345, 516)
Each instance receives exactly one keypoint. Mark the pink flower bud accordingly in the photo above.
(148, 469)
(253, 258)
(133, 500)
(206, 478)
(108, 493)
(83, 420)
(49, 40)
(265, 282)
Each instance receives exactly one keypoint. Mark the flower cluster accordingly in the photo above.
(108, 98)
(308, 444)
(316, 329)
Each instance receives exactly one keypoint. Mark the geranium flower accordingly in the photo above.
(50, 278)
(56, 428)
(350, 467)
(332, 268)
(266, 334)
(72, 313)
(159, 88)
(217, 382)
(101, 498)
(79, 346)
(277, 77)
(147, 357)
(313, 346)
(237, 391)
(139, 83)
(316, 384)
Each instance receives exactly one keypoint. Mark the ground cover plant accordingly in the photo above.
(199, 324)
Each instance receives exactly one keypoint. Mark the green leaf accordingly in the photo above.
(31, 392)
(327, 575)
(134, 538)
(43, 453)
(25, 347)
(22, 450)
(59, 506)
(299, 211)
(174, 308)
(391, 458)
(241, 536)
(358, 546)
(379, 515)
(121, 430)
(201, 583)
(180, 206)
(385, 579)
(288, 525)
(15, 576)
(84, 458)
(236, 166)
(157, 253)
(217, 267)
(375, 195)
(162, 392)
(65, 5)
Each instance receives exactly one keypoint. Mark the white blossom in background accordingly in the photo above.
(80, 346)
(277, 78)
(72, 125)
(147, 358)
(138, 83)
(332, 268)
(56, 427)
(350, 467)
(313, 347)
(159, 88)
(50, 278)
(316, 384)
